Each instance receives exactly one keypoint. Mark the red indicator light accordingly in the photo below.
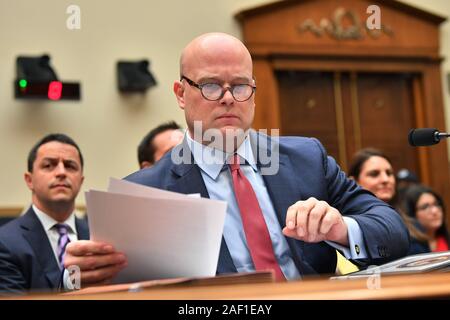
(54, 90)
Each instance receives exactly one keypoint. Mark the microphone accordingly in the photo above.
(425, 137)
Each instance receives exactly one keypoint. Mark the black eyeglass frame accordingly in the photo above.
(224, 89)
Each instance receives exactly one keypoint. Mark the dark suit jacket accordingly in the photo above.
(27, 261)
(304, 171)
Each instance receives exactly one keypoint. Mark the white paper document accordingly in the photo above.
(139, 190)
(163, 234)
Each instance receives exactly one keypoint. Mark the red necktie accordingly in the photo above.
(256, 232)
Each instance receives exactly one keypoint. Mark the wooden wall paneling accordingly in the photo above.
(350, 114)
(356, 117)
(340, 120)
(386, 115)
(419, 113)
(308, 107)
(267, 111)
(434, 117)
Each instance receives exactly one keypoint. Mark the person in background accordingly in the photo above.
(32, 247)
(426, 208)
(373, 171)
(157, 142)
(405, 178)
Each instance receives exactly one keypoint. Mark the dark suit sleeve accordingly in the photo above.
(385, 235)
(11, 278)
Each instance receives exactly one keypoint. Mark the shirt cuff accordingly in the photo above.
(356, 249)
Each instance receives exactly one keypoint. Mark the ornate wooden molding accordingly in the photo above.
(335, 28)
(16, 211)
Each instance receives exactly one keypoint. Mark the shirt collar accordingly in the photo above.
(48, 222)
(212, 160)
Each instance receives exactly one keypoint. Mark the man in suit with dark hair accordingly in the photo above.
(32, 247)
(158, 142)
(289, 204)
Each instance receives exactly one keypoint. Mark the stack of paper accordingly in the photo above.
(418, 263)
(163, 234)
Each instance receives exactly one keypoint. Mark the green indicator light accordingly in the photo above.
(23, 83)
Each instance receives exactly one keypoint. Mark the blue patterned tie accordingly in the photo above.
(63, 231)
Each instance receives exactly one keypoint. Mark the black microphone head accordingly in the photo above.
(423, 137)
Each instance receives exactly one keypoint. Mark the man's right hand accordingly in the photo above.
(98, 261)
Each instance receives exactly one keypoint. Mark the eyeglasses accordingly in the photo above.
(214, 91)
(428, 206)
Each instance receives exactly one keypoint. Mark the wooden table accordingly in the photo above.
(432, 285)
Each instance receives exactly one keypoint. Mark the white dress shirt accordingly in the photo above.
(52, 234)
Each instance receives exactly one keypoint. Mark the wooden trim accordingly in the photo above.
(7, 212)
(81, 208)
(420, 123)
(355, 110)
(435, 118)
(348, 65)
(286, 50)
(265, 8)
(267, 110)
(406, 8)
(413, 11)
(340, 119)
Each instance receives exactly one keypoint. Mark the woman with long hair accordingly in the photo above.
(426, 208)
(373, 171)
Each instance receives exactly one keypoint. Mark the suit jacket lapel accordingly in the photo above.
(36, 236)
(190, 181)
(82, 229)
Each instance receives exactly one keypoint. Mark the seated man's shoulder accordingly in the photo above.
(285, 141)
(299, 141)
(298, 149)
(155, 175)
(10, 230)
(300, 145)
